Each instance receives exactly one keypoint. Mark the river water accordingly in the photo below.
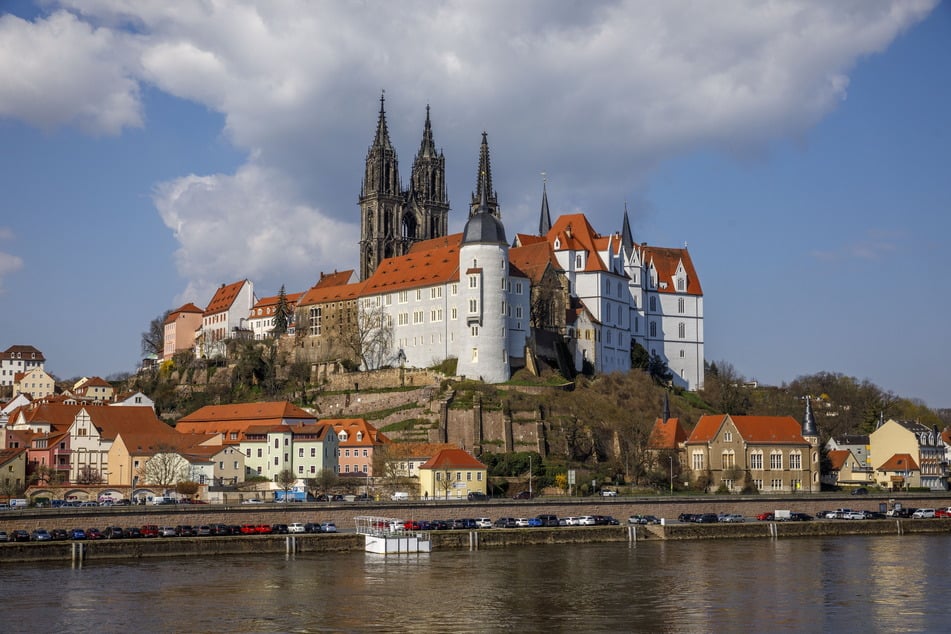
(838, 584)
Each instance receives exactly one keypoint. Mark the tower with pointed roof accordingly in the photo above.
(484, 184)
(544, 218)
(391, 218)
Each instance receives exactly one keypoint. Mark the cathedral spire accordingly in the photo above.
(484, 182)
(382, 138)
(544, 221)
(427, 149)
(666, 406)
(627, 237)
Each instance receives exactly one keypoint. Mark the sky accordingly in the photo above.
(150, 152)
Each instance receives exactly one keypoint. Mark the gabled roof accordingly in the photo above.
(452, 240)
(94, 381)
(224, 297)
(665, 261)
(452, 459)
(270, 303)
(416, 450)
(574, 233)
(320, 430)
(899, 462)
(534, 259)
(852, 439)
(337, 278)
(837, 458)
(184, 309)
(111, 421)
(765, 430)
(354, 426)
(57, 415)
(8, 455)
(323, 294)
(439, 265)
(669, 434)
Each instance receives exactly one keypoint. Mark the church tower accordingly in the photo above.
(484, 184)
(427, 200)
(392, 219)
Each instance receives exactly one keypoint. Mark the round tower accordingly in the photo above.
(483, 281)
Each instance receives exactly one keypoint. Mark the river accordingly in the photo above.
(833, 584)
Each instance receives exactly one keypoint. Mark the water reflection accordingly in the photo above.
(869, 584)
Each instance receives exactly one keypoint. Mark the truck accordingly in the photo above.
(19, 503)
(782, 515)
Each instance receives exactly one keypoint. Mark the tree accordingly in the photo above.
(371, 337)
(657, 369)
(285, 479)
(640, 359)
(324, 481)
(444, 482)
(282, 314)
(165, 468)
(727, 392)
(153, 339)
(45, 474)
(187, 488)
(89, 475)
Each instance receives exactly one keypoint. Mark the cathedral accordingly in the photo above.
(567, 295)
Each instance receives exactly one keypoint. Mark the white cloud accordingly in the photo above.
(874, 245)
(60, 70)
(248, 225)
(595, 93)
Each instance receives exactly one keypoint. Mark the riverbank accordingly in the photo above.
(100, 550)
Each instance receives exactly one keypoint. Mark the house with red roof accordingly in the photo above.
(774, 454)
(326, 319)
(94, 388)
(845, 469)
(452, 474)
(179, 329)
(225, 318)
(264, 311)
(359, 442)
(923, 444)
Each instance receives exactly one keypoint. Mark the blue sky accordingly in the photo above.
(152, 151)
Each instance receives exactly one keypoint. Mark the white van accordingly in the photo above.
(400, 496)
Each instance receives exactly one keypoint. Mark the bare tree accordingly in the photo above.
(371, 337)
(153, 339)
(165, 468)
(445, 483)
(285, 479)
(324, 481)
(187, 488)
(89, 475)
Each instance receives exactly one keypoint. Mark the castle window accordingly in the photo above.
(403, 297)
(756, 460)
(680, 305)
(681, 284)
(454, 313)
(653, 329)
(454, 289)
(475, 331)
(473, 281)
(578, 261)
(473, 306)
(653, 304)
(682, 330)
(419, 294)
(475, 355)
(776, 461)
(518, 288)
(795, 461)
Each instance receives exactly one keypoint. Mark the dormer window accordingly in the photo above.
(359, 436)
(578, 261)
(342, 436)
(681, 284)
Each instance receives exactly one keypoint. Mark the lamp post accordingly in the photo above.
(529, 475)
(671, 474)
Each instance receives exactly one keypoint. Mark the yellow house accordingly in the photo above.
(452, 473)
(845, 469)
(924, 446)
(35, 383)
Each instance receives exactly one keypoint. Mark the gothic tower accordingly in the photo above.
(484, 184)
(392, 219)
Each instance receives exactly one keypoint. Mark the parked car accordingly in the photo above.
(59, 534)
(609, 520)
(707, 518)
(686, 517)
(295, 527)
(800, 517)
(534, 522)
(522, 522)
(874, 515)
(943, 512)
(506, 522)
(475, 496)
(19, 535)
(203, 531)
(586, 520)
(113, 532)
(548, 520)
(328, 527)
(853, 515)
(608, 493)
(523, 495)
(483, 522)
(262, 529)
(77, 533)
(133, 532)
(311, 527)
(94, 534)
(4, 537)
(860, 491)
(167, 531)
(923, 514)
(185, 530)
(765, 517)
(149, 530)
(41, 535)
(279, 529)
(733, 518)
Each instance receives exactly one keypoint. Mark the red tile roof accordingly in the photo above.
(837, 458)
(269, 304)
(452, 459)
(325, 294)
(665, 260)
(438, 265)
(353, 426)
(667, 435)
(899, 462)
(224, 297)
(768, 430)
(7, 455)
(185, 309)
(247, 411)
(452, 240)
(334, 279)
(534, 259)
(575, 233)
(27, 353)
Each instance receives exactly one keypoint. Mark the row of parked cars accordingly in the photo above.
(151, 530)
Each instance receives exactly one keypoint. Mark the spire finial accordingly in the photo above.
(809, 427)
(544, 219)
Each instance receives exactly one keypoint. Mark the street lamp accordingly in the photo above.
(671, 474)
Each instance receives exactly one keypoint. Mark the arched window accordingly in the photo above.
(408, 226)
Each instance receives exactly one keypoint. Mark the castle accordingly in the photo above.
(568, 294)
